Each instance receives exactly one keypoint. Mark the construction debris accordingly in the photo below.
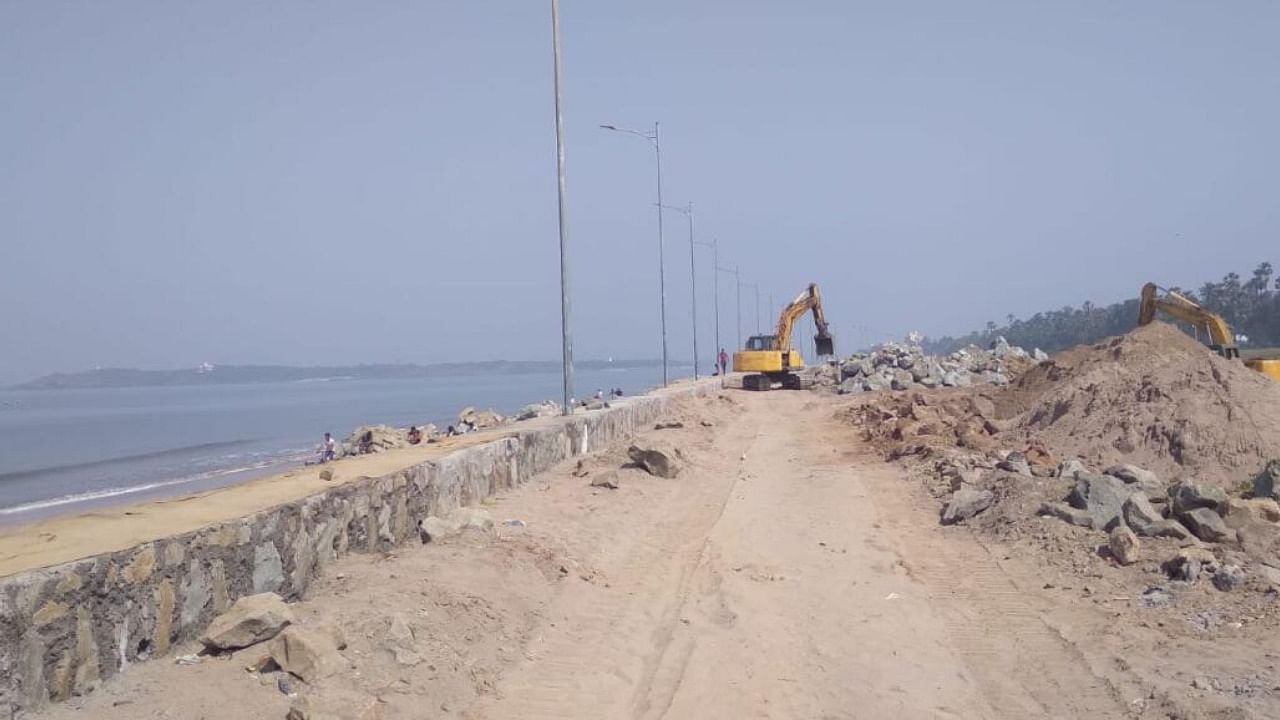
(904, 366)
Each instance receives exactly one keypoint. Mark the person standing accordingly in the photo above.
(724, 362)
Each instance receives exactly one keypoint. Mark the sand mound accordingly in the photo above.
(1155, 398)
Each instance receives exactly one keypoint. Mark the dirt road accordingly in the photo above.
(783, 574)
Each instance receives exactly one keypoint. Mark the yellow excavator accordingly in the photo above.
(771, 359)
(1222, 338)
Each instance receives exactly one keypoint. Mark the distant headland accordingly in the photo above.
(207, 374)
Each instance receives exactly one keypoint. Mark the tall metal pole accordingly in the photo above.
(757, 288)
(737, 280)
(565, 330)
(693, 285)
(715, 257)
(662, 264)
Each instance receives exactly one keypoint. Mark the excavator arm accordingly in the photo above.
(808, 300)
(1221, 337)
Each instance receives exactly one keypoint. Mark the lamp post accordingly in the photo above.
(662, 265)
(687, 211)
(566, 335)
(715, 282)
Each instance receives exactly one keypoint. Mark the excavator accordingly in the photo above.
(771, 359)
(1222, 338)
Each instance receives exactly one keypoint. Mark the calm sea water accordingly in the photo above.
(64, 450)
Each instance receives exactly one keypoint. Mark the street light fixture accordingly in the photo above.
(662, 265)
(687, 211)
(566, 335)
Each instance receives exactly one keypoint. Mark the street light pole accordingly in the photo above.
(687, 211)
(566, 334)
(715, 283)
(662, 264)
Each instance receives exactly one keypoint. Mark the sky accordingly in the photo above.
(334, 182)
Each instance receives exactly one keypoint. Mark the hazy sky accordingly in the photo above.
(334, 182)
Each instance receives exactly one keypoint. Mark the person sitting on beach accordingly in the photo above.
(415, 435)
(366, 442)
(451, 431)
(328, 449)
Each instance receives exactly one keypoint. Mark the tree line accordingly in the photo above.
(1251, 306)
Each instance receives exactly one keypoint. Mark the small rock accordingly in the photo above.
(1188, 563)
(1067, 514)
(706, 423)
(1229, 577)
(655, 461)
(669, 425)
(606, 480)
(284, 684)
(966, 503)
(300, 710)
(1124, 545)
(306, 653)
(250, 620)
(1015, 462)
(399, 633)
(326, 474)
(407, 658)
(1207, 525)
(1155, 597)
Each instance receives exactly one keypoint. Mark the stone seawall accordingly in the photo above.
(64, 629)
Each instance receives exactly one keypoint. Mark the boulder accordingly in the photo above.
(251, 620)
(479, 419)
(1015, 462)
(1186, 496)
(656, 461)
(1039, 355)
(384, 438)
(1148, 481)
(546, 408)
(966, 503)
(306, 653)
(1229, 577)
(1140, 515)
(1071, 468)
(1238, 513)
(1102, 496)
(1067, 514)
(434, 528)
(1123, 544)
(1264, 485)
(1269, 575)
(1207, 525)
(851, 386)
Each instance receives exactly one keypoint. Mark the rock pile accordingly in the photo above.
(903, 366)
(384, 437)
(546, 408)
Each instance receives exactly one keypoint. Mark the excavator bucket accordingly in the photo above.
(826, 345)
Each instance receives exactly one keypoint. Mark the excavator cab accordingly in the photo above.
(761, 342)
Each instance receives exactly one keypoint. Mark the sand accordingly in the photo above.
(63, 539)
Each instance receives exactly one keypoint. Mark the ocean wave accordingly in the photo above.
(130, 490)
(107, 462)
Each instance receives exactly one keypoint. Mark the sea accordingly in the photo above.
(70, 450)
